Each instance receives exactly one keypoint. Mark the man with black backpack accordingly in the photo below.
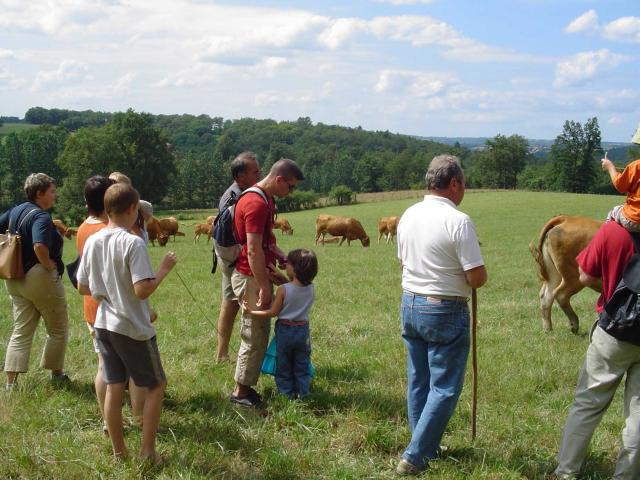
(255, 272)
(245, 170)
(613, 352)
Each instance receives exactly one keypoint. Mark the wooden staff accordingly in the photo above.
(474, 361)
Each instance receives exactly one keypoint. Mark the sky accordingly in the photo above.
(462, 68)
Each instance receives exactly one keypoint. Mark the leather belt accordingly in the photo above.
(437, 298)
(292, 323)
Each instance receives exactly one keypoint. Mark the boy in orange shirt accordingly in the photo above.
(627, 215)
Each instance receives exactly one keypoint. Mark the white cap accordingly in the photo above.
(636, 136)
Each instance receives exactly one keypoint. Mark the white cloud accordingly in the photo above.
(624, 28)
(8, 80)
(586, 22)
(413, 83)
(7, 54)
(67, 71)
(341, 30)
(615, 120)
(585, 66)
(269, 99)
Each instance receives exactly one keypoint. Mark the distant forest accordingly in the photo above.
(182, 161)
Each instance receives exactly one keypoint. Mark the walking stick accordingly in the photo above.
(474, 361)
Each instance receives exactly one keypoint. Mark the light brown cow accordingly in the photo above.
(345, 227)
(210, 219)
(561, 239)
(202, 228)
(63, 229)
(388, 226)
(284, 225)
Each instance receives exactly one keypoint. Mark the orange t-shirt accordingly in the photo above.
(629, 182)
(90, 226)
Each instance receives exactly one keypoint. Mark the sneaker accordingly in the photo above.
(251, 400)
(9, 387)
(60, 379)
(407, 468)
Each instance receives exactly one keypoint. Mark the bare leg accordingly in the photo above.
(228, 311)
(101, 387)
(137, 395)
(113, 416)
(12, 377)
(152, 409)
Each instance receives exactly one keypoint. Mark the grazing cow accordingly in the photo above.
(201, 228)
(210, 219)
(63, 229)
(170, 227)
(284, 225)
(345, 227)
(388, 226)
(562, 238)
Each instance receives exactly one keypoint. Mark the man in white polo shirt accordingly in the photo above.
(441, 263)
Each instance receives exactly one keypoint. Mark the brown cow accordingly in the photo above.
(562, 238)
(345, 227)
(284, 225)
(201, 228)
(155, 232)
(170, 227)
(63, 229)
(388, 226)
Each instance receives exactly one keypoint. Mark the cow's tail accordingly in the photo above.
(536, 250)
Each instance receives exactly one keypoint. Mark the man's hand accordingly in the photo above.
(264, 297)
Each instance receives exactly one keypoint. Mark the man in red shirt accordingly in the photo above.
(607, 360)
(255, 272)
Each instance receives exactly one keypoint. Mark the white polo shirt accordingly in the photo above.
(437, 243)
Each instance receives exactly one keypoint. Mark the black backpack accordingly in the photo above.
(621, 315)
(225, 244)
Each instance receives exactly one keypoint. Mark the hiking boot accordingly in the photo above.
(407, 468)
(60, 379)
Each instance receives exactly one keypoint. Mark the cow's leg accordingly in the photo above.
(546, 302)
(379, 237)
(341, 241)
(388, 238)
(563, 295)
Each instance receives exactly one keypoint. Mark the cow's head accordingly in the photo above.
(365, 241)
(163, 238)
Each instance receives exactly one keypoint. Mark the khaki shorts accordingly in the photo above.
(226, 269)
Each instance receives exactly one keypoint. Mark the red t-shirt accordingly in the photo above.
(605, 257)
(253, 215)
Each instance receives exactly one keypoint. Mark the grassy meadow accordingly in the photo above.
(354, 424)
(7, 128)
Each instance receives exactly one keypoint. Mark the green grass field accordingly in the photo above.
(354, 425)
(15, 127)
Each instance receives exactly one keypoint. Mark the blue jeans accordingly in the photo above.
(436, 334)
(293, 352)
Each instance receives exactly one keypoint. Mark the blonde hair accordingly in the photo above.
(119, 197)
(120, 177)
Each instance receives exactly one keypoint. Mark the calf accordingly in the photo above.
(284, 225)
(388, 226)
(202, 228)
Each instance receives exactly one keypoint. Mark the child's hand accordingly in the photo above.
(245, 307)
(153, 315)
(169, 261)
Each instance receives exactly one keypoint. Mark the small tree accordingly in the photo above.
(341, 194)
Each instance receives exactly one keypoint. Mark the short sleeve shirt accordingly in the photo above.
(37, 228)
(254, 215)
(605, 257)
(112, 261)
(90, 226)
(233, 190)
(437, 243)
(629, 182)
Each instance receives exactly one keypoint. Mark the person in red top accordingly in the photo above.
(627, 215)
(607, 361)
(255, 273)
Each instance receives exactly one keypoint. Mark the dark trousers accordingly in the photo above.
(293, 353)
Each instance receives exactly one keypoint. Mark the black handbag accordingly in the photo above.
(72, 271)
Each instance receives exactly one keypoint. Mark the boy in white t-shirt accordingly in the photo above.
(116, 271)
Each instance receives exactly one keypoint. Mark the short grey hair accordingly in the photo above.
(443, 169)
(37, 182)
(241, 163)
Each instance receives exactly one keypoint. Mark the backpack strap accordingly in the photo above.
(257, 190)
(635, 236)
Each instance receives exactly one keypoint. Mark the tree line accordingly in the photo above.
(181, 161)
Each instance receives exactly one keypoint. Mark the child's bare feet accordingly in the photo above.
(154, 459)
(121, 456)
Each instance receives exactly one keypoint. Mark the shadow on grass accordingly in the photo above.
(526, 463)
